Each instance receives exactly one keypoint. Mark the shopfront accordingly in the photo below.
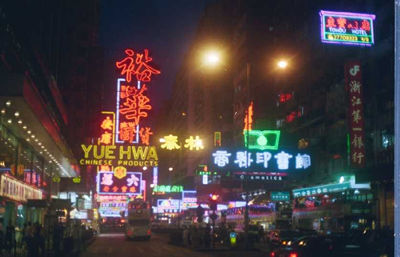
(14, 195)
(335, 207)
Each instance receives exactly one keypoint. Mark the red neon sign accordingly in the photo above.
(341, 22)
(135, 105)
(144, 134)
(137, 65)
(132, 102)
(248, 119)
(107, 128)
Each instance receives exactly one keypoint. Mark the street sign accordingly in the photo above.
(280, 196)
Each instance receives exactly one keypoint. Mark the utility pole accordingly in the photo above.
(397, 127)
(245, 186)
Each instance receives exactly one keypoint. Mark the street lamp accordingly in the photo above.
(170, 169)
(282, 64)
(211, 58)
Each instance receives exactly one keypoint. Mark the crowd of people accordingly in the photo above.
(33, 240)
(204, 236)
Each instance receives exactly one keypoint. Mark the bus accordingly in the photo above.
(138, 220)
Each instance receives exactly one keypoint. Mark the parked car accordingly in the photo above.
(306, 246)
(282, 237)
(338, 244)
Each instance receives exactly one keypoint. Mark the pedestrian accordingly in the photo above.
(1, 239)
(261, 234)
(207, 236)
(57, 237)
(31, 246)
(185, 236)
(9, 238)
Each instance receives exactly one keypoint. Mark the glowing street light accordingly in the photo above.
(282, 64)
(211, 58)
(170, 169)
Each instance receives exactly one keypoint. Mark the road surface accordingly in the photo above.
(115, 245)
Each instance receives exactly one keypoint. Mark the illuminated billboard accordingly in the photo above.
(108, 183)
(119, 155)
(132, 102)
(266, 161)
(347, 28)
(168, 205)
(262, 139)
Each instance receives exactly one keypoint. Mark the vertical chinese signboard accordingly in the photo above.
(356, 113)
(132, 102)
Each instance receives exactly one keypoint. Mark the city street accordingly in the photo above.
(115, 245)
(219, 128)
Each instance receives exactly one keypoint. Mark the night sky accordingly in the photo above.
(165, 27)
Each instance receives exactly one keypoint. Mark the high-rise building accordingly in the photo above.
(307, 101)
(43, 44)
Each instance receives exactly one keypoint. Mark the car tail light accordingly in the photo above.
(272, 254)
(293, 255)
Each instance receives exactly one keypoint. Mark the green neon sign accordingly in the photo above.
(209, 173)
(262, 139)
(280, 196)
(168, 189)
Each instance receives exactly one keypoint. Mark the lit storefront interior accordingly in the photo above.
(334, 207)
(30, 157)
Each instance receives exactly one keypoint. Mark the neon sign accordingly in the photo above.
(260, 160)
(217, 138)
(113, 155)
(171, 142)
(132, 106)
(347, 28)
(356, 113)
(107, 127)
(132, 102)
(262, 139)
(194, 143)
(168, 189)
(168, 205)
(137, 65)
(120, 172)
(108, 183)
(248, 119)
(280, 196)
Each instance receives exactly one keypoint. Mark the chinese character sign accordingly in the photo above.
(109, 183)
(263, 161)
(356, 113)
(347, 28)
(107, 128)
(192, 143)
(136, 65)
(133, 105)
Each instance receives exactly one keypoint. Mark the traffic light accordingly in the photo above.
(213, 201)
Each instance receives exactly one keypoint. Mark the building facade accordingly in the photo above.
(307, 101)
(37, 138)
